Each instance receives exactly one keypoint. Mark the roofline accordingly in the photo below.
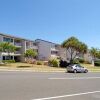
(47, 41)
(8, 35)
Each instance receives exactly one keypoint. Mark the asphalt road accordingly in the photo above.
(49, 86)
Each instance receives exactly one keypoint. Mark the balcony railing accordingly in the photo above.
(34, 47)
(54, 49)
(27, 47)
(17, 52)
(17, 44)
(31, 47)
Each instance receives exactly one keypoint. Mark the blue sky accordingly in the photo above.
(52, 20)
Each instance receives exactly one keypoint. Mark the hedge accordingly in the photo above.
(81, 60)
(54, 62)
(97, 63)
(39, 62)
(8, 61)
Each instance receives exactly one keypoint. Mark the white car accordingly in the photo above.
(76, 68)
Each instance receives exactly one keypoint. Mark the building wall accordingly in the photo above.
(19, 54)
(88, 57)
(1, 38)
(62, 53)
(44, 50)
(23, 50)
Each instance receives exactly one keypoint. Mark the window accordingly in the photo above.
(6, 39)
(54, 52)
(52, 46)
(11, 40)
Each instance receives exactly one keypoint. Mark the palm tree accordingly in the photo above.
(8, 48)
(98, 55)
(94, 54)
(74, 47)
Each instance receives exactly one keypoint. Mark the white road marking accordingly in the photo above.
(75, 78)
(70, 95)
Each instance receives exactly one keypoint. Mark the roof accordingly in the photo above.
(8, 35)
(47, 41)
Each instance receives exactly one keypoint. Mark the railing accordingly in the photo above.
(17, 52)
(34, 47)
(31, 47)
(54, 49)
(28, 47)
(17, 44)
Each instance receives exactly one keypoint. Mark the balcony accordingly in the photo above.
(34, 47)
(55, 56)
(17, 44)
(17, 52)
(28, 47)
(54, 49)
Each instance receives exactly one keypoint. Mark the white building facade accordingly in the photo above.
(45, 49)
(21, 44)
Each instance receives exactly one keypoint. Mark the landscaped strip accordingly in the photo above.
(41, 68)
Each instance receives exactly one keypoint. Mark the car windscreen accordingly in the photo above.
(80, 66)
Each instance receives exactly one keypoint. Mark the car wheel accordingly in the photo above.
(75, 71)
(85, 71)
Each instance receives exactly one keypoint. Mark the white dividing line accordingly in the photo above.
(75, 78)
(70, 95)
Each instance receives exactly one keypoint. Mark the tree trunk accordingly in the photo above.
(93, 57)
(9, 57)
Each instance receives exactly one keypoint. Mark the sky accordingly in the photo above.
(52, 20)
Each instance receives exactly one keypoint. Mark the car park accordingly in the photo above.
(76, 68)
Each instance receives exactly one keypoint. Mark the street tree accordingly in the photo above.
(74, 47)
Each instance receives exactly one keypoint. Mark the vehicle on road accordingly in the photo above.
(76, 68)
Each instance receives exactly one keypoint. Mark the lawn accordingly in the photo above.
(91, 68)
(26, 66)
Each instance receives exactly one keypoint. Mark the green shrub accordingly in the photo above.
(81, 60)
(76, 61)
(8, 61)
(39, 63)
(87, 62)
(97, 63)
(54, 62)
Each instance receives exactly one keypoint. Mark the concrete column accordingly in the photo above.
(13, 41)
(1, 38)
(23, 50)
(92, 62)
(13, 57)
(0, 57)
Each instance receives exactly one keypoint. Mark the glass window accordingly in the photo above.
(5, 39)
(54, 52)
(11, 40)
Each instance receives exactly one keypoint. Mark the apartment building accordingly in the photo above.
(21, 44)
(47, 50)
